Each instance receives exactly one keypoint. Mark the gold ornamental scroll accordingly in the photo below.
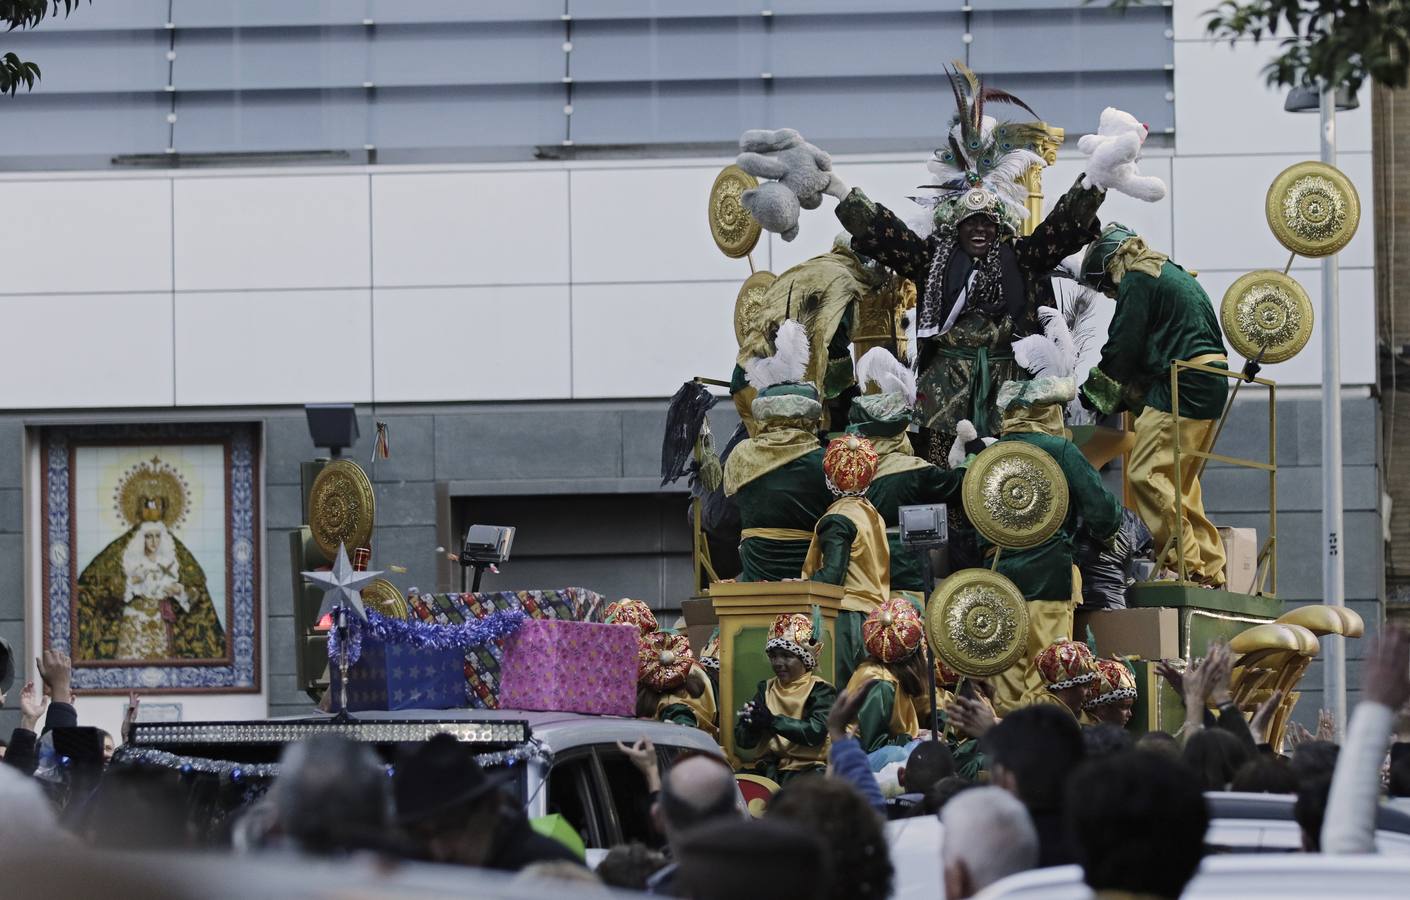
(341, 506)
(749, 305)
(1033, 177)
(1267, 316)
(734, 230)
(1015, 495)
(387, 599)
(1313, 209)
(977, 623)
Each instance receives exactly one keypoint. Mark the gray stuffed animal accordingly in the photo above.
(799, 174)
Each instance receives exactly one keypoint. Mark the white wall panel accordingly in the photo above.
(1219, 217)
(1224, 105)
(643, 340)
(86, 350)
(481, 343)
(445, 228)
(1153, 221)
(99, 235)
(636, 225)
(1357, 334)
(246, 347)
(272, 232)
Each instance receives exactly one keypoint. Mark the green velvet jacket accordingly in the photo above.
(1159, 320)
(910, 488)
(795, 495)
(1044, 572)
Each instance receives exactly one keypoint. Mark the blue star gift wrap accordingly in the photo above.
(398, 676)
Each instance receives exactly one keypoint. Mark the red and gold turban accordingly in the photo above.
(663, 660)
(893, 630)
(849, 464)
(1064, 664)
(631, 612)
(1114, 683)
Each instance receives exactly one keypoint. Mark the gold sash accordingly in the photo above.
(777, 534)
(790, 700)
(868, 581)
(905, 710)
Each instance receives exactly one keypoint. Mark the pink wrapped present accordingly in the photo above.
(561, 666)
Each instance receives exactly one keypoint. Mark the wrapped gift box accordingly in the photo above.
(561, 666)
(482, 664)
(399, 676)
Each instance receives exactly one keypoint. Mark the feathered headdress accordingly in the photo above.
(888, 373)
(979, 167)
(789, 362)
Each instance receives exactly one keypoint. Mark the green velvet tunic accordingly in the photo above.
(795, 496)
(874, 719)
(910, 488)
(810, 730)
(1044, 572)
(1159, 320)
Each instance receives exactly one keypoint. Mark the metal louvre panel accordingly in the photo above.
(501, 77)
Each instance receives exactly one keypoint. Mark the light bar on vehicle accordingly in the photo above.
(153, 734)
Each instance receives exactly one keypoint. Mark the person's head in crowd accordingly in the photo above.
(1265, 775)
(1105, 739)
(695, 790)
(1310, 809)
(1313, 759)
(1031, 753)
(731, 860)
(628, 866)
(1138, 820)
(449, 807)
(139, 809)
(1399, 782)
(1161, 742)
(945, 790)
(331, 796)
(108, 746)
(928, 763)
(1215, 755)
(256, 827)
(850, 829)
(988, 836)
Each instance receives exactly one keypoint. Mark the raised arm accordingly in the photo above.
(880, 234)
(1072, 225)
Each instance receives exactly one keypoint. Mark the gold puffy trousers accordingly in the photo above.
(1048, 622)
(1157, 498)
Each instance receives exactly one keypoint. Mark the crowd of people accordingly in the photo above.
(1048, 791)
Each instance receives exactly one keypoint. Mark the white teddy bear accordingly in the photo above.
(1114, 151)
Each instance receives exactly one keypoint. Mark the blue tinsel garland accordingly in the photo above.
(427, 635)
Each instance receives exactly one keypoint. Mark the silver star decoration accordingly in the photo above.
(342, 586)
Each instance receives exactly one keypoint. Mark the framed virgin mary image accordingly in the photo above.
(151, 555)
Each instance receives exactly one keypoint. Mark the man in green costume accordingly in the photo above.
(1162, 314)
(1046, 574)
(902, 478)
(776, 476)
(787, 718)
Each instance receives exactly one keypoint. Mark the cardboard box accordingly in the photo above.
(1240, 558)
(700, 621)
(399, 676)
(1152, 633)
(559, 666)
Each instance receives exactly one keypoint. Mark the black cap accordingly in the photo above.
(439, 775)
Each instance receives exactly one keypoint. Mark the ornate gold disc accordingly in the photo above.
(977, 622)
(734, 230)
(1313, 209)
(340, 507)
(384, 597)
(749, 303)
(1266, 311)
(1015, 495)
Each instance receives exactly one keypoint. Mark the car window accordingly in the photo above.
(570, 795)
(626, 789)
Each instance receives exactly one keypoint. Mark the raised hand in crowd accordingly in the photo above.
(56, 669)
(643, 756)
(973, 716)
(1263, 718)
(1203, 680)
(1166, 669)
(1388, 671)
(1298, 735)
(129, 715)
(844, 711)
(32, 706)
(1326, 726)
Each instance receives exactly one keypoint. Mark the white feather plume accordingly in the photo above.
(879, 366)
(789, 362)
(1051, 354)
